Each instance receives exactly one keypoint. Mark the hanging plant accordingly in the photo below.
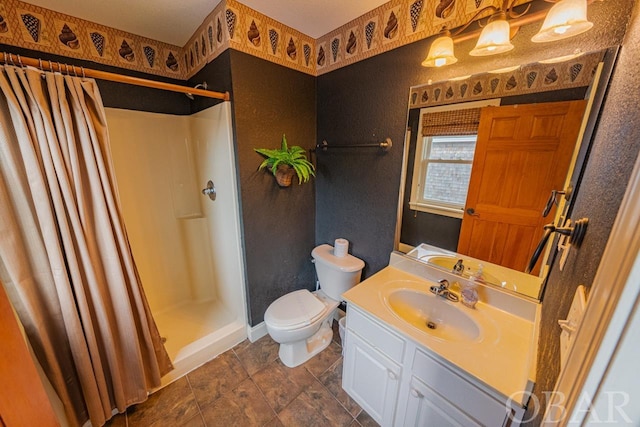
(286, 162)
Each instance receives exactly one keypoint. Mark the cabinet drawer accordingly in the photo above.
(462, 394)
(375, 334)
(426, 407)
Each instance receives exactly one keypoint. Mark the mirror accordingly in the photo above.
(478, 270)
(441, 225)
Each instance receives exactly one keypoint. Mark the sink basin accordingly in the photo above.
(432, 315)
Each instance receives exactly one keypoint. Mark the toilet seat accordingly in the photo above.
(295, 310)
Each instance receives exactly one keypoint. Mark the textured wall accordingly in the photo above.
(270, 100)
(357, 191)
(616, 145)
(357, 188)
(278, 223)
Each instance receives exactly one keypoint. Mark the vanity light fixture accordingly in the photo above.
(495, 37)
(566, 18)
(441, 51)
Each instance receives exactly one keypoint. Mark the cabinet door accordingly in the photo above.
(371, 379)
(453, 386)
(426, 408)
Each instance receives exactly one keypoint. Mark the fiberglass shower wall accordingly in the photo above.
(186, 246)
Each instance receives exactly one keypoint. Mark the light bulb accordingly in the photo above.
(441, 51)
(565, 19)
(494, 38)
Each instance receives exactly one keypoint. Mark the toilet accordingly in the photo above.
(300, 321)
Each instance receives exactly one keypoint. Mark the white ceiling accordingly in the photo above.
(314, 18)
(174, 21)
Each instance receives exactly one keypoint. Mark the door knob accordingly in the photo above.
(472, 212)
(210, 190)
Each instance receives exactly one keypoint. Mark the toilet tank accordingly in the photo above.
(336, 274)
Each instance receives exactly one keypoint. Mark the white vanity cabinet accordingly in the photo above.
(399, 383)
(372, 366)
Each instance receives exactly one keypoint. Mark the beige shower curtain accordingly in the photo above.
(64, 255)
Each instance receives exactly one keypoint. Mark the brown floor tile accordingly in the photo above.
(275, 422)
(323, 360)
(315, 407)
(255, 356)
(243, 406)
(119, 420)
(244, 344)
(332, 380)
(214, 378)
(171, 405)
(365, 420)
(196, 421)
(280, 384)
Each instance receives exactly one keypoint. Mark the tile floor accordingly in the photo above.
(249, 386)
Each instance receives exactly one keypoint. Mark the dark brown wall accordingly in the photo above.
(268, 101)
(278, 223)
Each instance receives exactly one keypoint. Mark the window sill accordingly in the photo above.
(437, 210)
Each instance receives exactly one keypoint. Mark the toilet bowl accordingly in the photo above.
(300, 321)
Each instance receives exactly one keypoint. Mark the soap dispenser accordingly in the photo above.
(469, 290)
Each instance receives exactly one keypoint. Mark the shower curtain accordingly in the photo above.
(64, 255)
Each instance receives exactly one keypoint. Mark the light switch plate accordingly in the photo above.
(572, 323)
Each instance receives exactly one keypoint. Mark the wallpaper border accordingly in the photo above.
(232, 24)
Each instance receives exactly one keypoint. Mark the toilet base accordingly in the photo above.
(296, 353)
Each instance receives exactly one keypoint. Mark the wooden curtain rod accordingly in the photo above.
(22, 61)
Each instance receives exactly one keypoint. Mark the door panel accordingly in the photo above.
(23, 400)
(523, 152)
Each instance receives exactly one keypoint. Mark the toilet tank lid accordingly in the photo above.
(293, 309)
(348, 263)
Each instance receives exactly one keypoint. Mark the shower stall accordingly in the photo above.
(186, 244)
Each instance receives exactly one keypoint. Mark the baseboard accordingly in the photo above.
(254, 333)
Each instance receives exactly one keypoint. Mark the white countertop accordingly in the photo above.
(502, 357)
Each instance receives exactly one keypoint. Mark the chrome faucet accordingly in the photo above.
(458, 268)
(442, 290)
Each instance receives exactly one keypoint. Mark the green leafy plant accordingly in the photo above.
(293, 157)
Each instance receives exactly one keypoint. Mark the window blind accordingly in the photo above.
(454, 122)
